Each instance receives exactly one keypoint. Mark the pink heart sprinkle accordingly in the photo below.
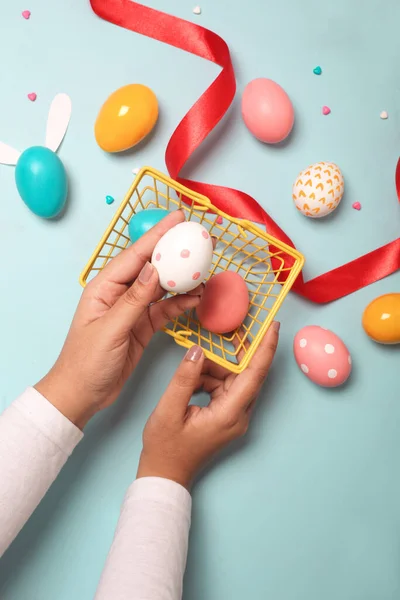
(356, 205)
(32, 97)
(26, 14)
(219, 220)
(326, 110)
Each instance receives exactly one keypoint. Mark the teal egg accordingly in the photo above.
(144, 220)
(41, 181)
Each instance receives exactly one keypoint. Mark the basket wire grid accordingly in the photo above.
(241, 247)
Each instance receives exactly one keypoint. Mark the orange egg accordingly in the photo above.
(126, 117)
(381, 319)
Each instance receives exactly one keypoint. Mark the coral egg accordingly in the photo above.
(224, 303)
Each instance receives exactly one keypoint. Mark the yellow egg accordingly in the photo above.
(126, 117)
(381, 319)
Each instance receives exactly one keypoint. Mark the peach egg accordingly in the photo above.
(322, 356)
(267, 110)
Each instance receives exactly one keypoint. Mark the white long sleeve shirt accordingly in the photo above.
(148, 556)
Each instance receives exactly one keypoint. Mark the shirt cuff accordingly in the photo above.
(50, 421)
(161, 490)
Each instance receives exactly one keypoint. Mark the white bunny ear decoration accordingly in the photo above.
(8, 155)
(57, 121)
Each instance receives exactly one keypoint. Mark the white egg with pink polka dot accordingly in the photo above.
(322, 356)
(183, 257)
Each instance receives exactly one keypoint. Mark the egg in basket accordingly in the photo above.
(241, 248)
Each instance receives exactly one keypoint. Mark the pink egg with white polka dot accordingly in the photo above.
(183, 257)
(322, 356)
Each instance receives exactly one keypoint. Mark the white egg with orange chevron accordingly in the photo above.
(318, 190)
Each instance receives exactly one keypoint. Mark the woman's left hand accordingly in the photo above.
(180, 439)
(115, 320)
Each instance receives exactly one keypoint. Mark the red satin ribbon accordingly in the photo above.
(201, 120)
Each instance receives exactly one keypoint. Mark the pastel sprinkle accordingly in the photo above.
(317, 71)
(197, 10)
(219, 220)
(158, 256)
(135, 171)
(205, 235)
(356, 205)
(185, 253)
(32, 97)
(171, 283)
(326, 110)
(384, 115)
(196, 275)
(109, 199)
(26, 14)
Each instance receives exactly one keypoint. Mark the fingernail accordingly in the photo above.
(146, 273)
(194, 353)
(276, 326)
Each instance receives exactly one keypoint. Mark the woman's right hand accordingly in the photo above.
(117, 316)
(179, 440)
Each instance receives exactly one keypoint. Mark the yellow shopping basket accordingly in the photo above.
(242, 247)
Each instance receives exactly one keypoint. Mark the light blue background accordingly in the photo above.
(309, 508)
